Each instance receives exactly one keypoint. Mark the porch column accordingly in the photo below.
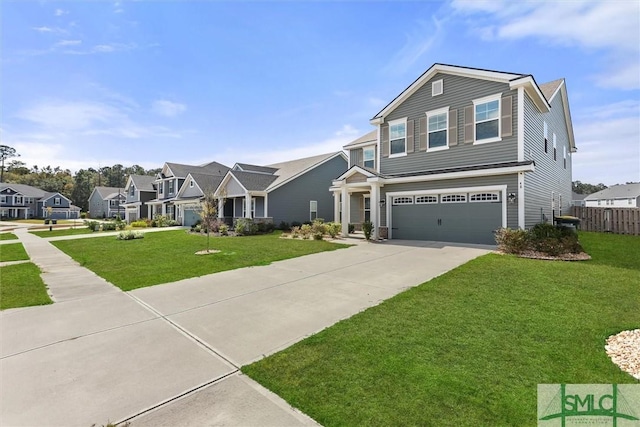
(336, 206)
(247, 205)
(266, 206)
(374, 209)
(220, 208)
(345, 211)
(164, 209)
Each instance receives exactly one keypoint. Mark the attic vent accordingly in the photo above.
(436, 88)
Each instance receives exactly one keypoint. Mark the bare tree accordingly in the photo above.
(209, 214)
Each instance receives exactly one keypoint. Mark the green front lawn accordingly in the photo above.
(82, 229)
(170, 255)
(21, 286)
(8, 236)
(13, 252)
(470, 347)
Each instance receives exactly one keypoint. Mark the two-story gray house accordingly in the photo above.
(458, 154)
(107, 202)
(292, 191)
(169, 181)
(139, 190)
(188, 201)
(21, 201)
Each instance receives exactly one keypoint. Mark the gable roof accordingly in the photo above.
(180, 170)
(290, 170)
(108, 192)
(205, 182)
(25, 190)
(253, 168)
(142, 182)
(477, 73)
(549, 89)
(623, 191)
(253, 181)
(371, 137)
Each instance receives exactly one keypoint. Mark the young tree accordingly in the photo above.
(209, 214)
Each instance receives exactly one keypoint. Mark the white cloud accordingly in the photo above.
(60, 12)
(608, 140)
(167, 108)
(418, 42)
(611, 26)
(53, 30)
(68, 43)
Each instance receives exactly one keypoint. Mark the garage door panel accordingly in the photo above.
(415, 222)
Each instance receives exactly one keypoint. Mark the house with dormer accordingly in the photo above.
(169, 181)
(458, 154)
(107, 202)
(291, 191)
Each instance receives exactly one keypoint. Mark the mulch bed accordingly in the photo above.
(582, 256)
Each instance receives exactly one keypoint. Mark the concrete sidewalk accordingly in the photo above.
(169, 354)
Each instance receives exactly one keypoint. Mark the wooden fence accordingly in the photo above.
(608, 220)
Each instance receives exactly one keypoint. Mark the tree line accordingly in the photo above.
(76, 186)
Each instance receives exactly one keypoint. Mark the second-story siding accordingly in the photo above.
(459, 92)
(550, 179)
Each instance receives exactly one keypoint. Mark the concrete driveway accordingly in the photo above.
(170, 354)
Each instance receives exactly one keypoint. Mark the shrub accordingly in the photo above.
(305, 231)
(120, 225)
(160, 221)
(295, 232)
(333, 229)
(245, 227)
(224, 229)
(367, 229)
(139, 224)
(129, 235)
(318, 229)
(83, 215)
(93, 225)
(352, 228)
(512, 241)
(108, 226)
(265, 227)
(296, 224)
(172, 223)
(284, 226)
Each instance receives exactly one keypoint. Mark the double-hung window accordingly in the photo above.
(369, 157)
(171, 183)
(132, 191)
(313, 210)
(437, 125)
(398, 137)
(555, 148)
(56, 201)
(487, 119)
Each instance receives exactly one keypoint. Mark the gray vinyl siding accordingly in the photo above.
(549, 176)
(259, 207)
(511, 181)
(98, 208)
(458, 94)
(291, 201)
(191, 192)
(233, 188)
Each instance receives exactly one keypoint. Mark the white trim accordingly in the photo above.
(503, 199)
(432, 113)
(368, 148)
(379, 150)
(464, 174)
(224, 183)
(486, 100)
(361, 144)
(395, 123)
(311, 202)
(534, 92)
(352, 171)
(520, 124)
(521, 210)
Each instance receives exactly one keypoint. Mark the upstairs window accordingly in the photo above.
(437, 124)
(160, 187)
(546, 138)
(555, 148)
(132, 191)
(191, 184)
(564, 155)
(436, 88)
(369, 157)
(487, 119)
(3, 199)
(397, 137)
(171, 186)
(56, 201)
(17, 200)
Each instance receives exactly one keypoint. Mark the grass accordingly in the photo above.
(64, 232)
(21, 286)
(13, 252)
(469, 347)
(168, 256)
(8, 236)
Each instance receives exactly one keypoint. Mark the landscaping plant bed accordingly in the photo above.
(624, 351)
(581, 256)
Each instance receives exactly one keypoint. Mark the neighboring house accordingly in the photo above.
(617, 196)
(577, 199)
(460, 153)
(139, 190)
(293, 191)
(106, 202)
(169, 181)
(20, 201)
(189, 197)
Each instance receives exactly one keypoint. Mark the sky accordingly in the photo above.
(92, 84)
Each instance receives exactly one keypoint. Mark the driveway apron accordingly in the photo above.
(170, 354)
